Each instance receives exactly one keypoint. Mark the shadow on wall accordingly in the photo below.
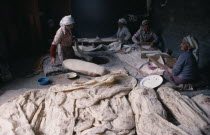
(205, 57)
(181, 18)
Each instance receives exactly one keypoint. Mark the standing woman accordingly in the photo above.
(63, 40)
(123, 34)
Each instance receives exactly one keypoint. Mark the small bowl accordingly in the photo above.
(43, 81)
(71, 75)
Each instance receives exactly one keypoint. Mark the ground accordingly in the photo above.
(21, 83)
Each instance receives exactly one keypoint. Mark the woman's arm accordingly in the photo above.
(128, 35)
(56, 41)
(178, 65)
(155, 38)
(53, 53)
(135, 36)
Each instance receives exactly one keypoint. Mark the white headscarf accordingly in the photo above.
(122, 20)
(66, 20)
(145, 22)
(193, 44)
(191, 41)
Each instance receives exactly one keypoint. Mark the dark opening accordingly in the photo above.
(100, 60)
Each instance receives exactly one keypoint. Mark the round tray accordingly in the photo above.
(151, 81)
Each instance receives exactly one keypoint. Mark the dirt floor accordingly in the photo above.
(21, 85)
(22, 82)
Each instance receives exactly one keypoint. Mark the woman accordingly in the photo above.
(63, 40)
(144, 36)
(123, 34)
(185, 70)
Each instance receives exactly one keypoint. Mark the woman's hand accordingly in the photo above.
(139, 43)
(53, 61)
(167, 69)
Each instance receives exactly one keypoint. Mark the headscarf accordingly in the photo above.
(191, 41)
(122, 20)
(145, 22)
(66, 20)
(193, 44)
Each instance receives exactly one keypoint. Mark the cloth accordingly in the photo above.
(191, 41)
(145, 22)
(50, 69)
(67, 20)
(123, 33)
(129, 48)
(194, 45)
(53, 50)
(174, 79)
(63, 39)
(122, 20)
(186, 66)
(142, 36)
(115, 46)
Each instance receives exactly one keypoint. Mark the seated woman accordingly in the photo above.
(145, 36)
(123, 33)
(63, 40)
(185, 70)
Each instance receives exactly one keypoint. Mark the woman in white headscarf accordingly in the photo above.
(63, 40)
(193, 43)
(123, 33)
(145, 36)
(185, 70)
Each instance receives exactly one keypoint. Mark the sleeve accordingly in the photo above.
(135, 36)
(117, 33)
(53, 50)
(155, 38)
(128, 34)
(179, 65)
(58, 37)
(56, 41)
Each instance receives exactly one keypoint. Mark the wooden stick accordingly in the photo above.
(137, 70)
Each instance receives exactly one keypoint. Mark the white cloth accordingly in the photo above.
(193, 44)
(67, 20)
(115, 46)
(145, 22)
(123, 33)
(129, 48)
(122, 20)
(191, 41)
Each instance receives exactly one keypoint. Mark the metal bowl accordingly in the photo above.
(44, 81)
(71, 75)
